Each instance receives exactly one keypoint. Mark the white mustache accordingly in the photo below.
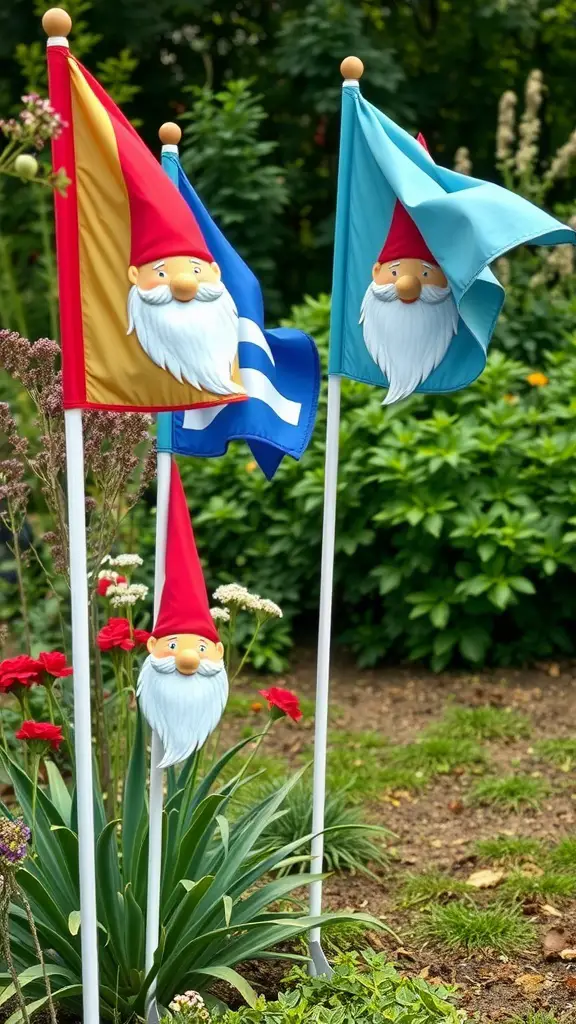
(161, 294)
(207, 667)
(431, 293)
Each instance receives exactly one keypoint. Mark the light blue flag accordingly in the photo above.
(466, 223)
(280, 368)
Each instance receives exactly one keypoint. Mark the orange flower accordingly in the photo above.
(250, 466)
(511, 399)
(537, 379)
(256, 706)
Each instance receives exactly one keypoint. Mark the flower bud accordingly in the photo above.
(26, 166)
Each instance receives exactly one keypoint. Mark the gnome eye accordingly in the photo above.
(197, 270)
(161, 273)
(202, 648)
(424, 273)
(172, 645)
(394, 273)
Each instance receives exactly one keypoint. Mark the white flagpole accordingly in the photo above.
(156, 797)
(82, 716)
(351, 69)
(319, 964)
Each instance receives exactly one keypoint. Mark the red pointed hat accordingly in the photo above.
(184, 604)
(404, 240)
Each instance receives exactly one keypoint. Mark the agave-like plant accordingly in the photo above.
(220, 882)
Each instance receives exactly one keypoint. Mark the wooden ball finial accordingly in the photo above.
(352, 68)
(56, 22)
(170, 133)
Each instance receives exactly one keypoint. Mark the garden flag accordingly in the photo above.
(183, 684)
(147, 323)
(414, 302)
(279, 368)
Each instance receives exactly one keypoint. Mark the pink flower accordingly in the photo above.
(54, 664)
(117, 633)
(23, 670)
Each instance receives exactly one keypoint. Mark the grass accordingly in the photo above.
(509, 849)
(361, 763)
(511, 791)
(560, 752)
(520, 886)
(482, 723)
(538, 1017)
(431, 885)
(464, 926)
(563, 856)
(438, 755)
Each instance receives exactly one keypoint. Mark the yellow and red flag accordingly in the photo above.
(121, 212)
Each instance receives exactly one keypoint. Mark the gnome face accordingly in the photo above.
(182, 690)
(408, 319)
(186, 321)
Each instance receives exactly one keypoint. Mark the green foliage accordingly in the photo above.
(363, 988)
(520, 885)
(510, 849)
(559, 752)
(219, 879)
(563, 856)
(350, 843)
(512, 791)
(538, 1017)
(432, 885)
(483, 723)
(466, 498)
(464, 926)
(438, 755)
(229, 164)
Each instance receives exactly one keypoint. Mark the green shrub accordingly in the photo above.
(219, 880)
(363, 988)
(349, 845)
(464, 926)
(511, 791)
(454, 541)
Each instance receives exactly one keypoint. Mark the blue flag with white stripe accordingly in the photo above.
(280, 368)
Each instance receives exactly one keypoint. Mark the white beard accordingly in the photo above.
(182, 709)
(195, 341)
(407, 340)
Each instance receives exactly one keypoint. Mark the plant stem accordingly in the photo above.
(101, 731)
(19, 574)
(65, 727)
(48, 261)
(39, 954)
(6, 270)
(246, 652)
(7, 889)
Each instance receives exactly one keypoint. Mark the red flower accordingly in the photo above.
(283, 701)
(105, 582)
(141, 636)
(43, 732)
(54, 664)
(22, 669)
(116, 633)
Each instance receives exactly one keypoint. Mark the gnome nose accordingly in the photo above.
(187, 661)
(183, 287)
(408, 288)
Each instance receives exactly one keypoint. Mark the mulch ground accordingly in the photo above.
(437, 828)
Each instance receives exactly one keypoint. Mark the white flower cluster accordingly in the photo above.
(123, 561)
(126, 593)
(109, 574)
(220, 614)
(190, 1005)
(233, 593)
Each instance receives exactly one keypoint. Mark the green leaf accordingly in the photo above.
(59, 792)
(234, 979)
(74, 922)
(228, 905)
(440, 614)
(473, 644)
(31, 974)
(224, 831)
(134, 802)
(522, 585)
(501, 594)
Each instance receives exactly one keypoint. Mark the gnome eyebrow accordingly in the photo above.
(156, 265)
(397, 264)
(429, 265)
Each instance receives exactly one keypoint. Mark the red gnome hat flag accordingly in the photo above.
(404, 240)
(184, 604)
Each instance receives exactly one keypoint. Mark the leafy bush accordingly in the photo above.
(363, 988)
(350, 842)
(219, 881)
(455, 530)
